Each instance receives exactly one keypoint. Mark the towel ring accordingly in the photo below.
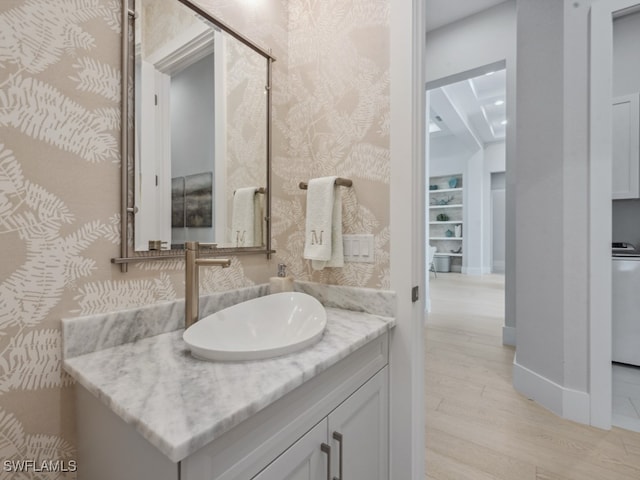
(341, 182)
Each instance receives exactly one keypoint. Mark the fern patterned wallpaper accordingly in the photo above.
(59, 179)
(337, 123)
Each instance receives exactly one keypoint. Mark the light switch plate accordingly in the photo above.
(358, 248)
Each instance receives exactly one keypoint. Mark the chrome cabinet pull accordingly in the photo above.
(338, 438)
(327, 449)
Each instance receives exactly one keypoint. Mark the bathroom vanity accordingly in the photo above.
(148, 409)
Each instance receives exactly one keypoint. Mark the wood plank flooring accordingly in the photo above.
(477, 426)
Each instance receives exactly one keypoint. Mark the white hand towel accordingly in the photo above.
(243, 217)
(257, 219)
(323, 230)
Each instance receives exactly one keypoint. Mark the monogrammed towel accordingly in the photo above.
(243, 220)
(323, 232)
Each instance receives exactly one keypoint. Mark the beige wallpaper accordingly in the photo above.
(163, 21)
(336, 124)
(59, 178)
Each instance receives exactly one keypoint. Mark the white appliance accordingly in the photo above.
(626, 307)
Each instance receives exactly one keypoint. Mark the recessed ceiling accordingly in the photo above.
(443, 12)
(487, 109)
(469, 114)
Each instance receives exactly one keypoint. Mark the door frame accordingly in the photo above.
(600, 215)
(492, 225)
(407, 250)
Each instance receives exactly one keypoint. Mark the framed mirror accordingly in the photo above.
(197, 95)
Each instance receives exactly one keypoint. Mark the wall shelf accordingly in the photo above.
(445, 206)
(446, 190)
(453, 211)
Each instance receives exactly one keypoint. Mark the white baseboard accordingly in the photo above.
(568, 403)
(509, 336)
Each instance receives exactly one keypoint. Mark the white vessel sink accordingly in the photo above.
(260, 328)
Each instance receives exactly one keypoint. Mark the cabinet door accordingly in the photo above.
(304, 460)
(626, 147)
(360, 424)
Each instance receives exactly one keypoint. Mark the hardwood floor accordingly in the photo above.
(477, 426)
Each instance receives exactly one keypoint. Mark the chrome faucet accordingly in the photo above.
(192, 285)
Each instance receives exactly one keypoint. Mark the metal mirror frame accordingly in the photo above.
(127, 207)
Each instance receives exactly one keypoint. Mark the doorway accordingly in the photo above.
(466, 160)
(600, 212)
(625, 212)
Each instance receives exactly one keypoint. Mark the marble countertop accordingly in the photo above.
(180, 404)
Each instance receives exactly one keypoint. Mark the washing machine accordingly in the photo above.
(626, 305)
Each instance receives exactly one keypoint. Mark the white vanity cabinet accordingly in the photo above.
(281, 441)
(352, 441)
(626, 147)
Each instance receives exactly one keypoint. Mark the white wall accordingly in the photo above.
(626, 80)
(192, 122)
(448, 151)
(552, 209)
(494, 161)
(441, 166)
(487, 38)
(192, 139)
(539, 187)
(474, 215)
(498, 223)
(481, 39)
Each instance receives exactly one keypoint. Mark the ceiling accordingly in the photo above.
(443, 12)
(466, 116)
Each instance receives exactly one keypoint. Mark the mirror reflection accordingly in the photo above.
(200, 132)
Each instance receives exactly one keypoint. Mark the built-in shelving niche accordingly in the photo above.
(445, 214)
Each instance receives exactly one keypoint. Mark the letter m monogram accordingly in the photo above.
(315, 239)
